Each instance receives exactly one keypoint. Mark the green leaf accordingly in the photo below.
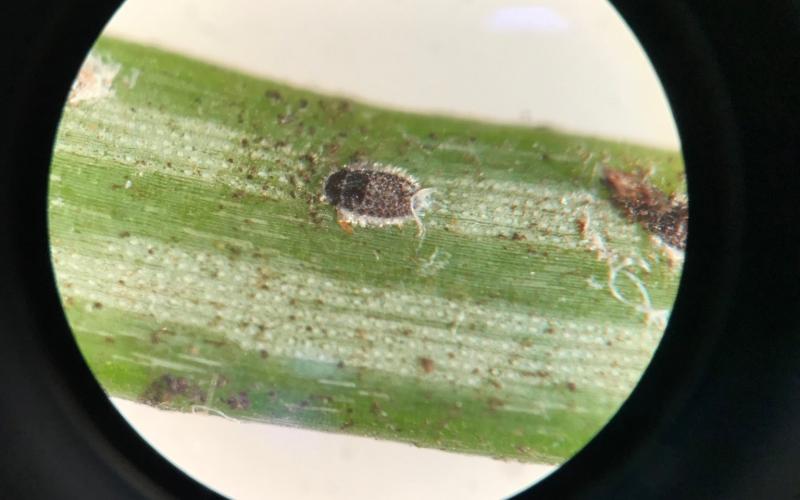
(199, 270)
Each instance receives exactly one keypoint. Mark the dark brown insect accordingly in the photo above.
(371, 194)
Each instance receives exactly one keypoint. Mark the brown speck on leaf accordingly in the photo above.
(215, 343)
(324, 398)
(332, 148)
(156, 335)
(426, 364)
(222, 381)
(97, 305)
(344, 106)
(167, 387)
(124, 234)
(640, 201)
(494, 383)
(376, 409)
(495, 403)
(582, 223)
(263, 353)
(239, 401)
(273, 95)
(340, 365)
(518, 237)
(571, 386)
(310, 159)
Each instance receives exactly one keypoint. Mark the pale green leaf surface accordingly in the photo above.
(189, 242)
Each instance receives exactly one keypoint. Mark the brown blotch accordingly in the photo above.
(495, 403)
(273, 95)
(239, 401)
(662, 215)
(582, 223)
(167, 387)
(426, 364)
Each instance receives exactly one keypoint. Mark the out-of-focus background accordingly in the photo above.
(569, 64)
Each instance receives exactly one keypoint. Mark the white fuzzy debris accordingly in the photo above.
(199, 360)
(165, 363)
(340, 383)
(361, 220)
(674, 255)
(133, 78)
(438, 260)
(622, 265)
(94, 80)
(208, 409)
(373, 394)
(420, 202)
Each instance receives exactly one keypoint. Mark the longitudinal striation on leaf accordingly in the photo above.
(200, 270)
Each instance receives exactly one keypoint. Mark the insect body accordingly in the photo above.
(371, 194)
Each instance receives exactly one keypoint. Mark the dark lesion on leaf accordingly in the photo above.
(167, 388)
(640, 201)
